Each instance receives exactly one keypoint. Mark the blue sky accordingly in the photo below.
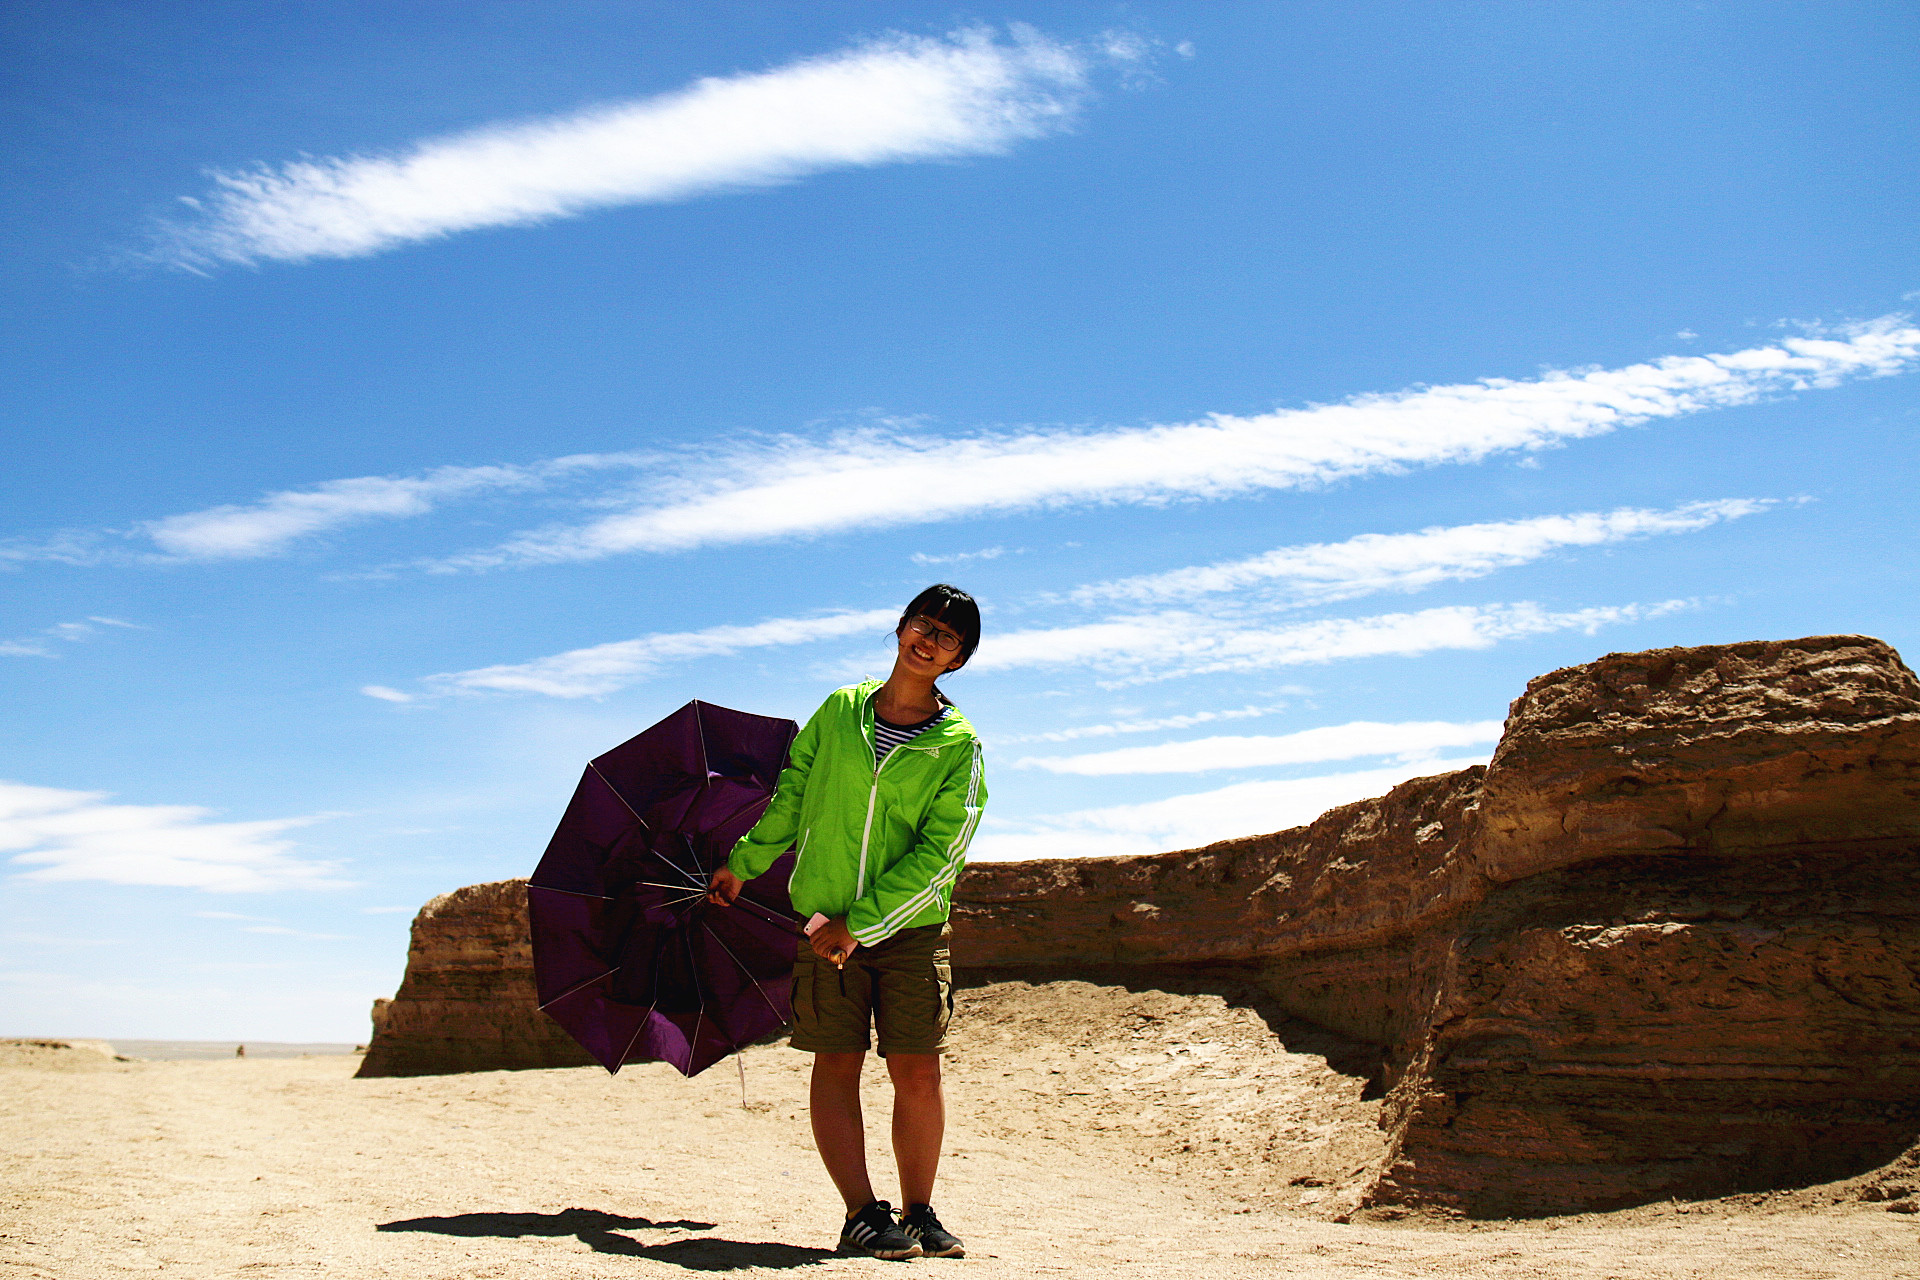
(406, 403)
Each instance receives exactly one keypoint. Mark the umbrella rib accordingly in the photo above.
(691, 878)
(597, 897)
(777, 916)
(743, 968)
(693, 881)
(577, 986)
(638, 1027)
(742, 807)
(700, 1013)
(616, 795)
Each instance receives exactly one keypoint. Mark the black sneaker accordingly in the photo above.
(873, 1231)
(935, 1240)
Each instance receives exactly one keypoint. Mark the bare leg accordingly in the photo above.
(919, 1122)
(833, 1099)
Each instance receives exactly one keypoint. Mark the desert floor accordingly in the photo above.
(1092, 1131)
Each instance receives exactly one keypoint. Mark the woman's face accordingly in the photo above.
(920, 646)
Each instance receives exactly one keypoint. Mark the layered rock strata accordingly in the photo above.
(1666, 944)
(467, 1001)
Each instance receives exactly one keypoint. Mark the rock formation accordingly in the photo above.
(466, 1002)
(1666, 944)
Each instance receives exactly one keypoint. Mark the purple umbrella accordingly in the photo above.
(627, 954)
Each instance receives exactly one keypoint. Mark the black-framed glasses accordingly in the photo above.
(948, 642)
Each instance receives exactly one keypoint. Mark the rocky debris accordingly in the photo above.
(467, 1001)
(1667, 944)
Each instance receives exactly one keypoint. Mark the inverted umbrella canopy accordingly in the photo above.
(627, 954)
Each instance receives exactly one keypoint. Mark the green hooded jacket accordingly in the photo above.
(880, 847)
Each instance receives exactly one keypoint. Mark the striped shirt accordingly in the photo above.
(888, 735)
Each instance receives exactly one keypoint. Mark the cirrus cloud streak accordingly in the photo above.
(1160, 646)
(606, 668)
(279, 520)
(901, 98)
(58, 834)
(1411, 740)
(1321, 573)
(799, 488)
(1189, 821)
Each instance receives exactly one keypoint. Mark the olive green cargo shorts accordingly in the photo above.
(903, 987)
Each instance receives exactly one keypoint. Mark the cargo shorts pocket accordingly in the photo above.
(915, 985)
(830, 1007)
(800, 999)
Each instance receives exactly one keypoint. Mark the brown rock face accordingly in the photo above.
(1750, 747)
(467, 1002)
(1666, 944)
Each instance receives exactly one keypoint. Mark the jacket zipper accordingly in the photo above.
(873, 794)
(866, 832)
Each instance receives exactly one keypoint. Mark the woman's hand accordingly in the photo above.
(832, 942)
(723, 888)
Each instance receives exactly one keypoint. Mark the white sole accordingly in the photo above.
(859, 1252)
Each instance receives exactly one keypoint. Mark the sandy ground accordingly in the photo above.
(1093, 1131)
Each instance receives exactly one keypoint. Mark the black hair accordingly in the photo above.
(950, 605)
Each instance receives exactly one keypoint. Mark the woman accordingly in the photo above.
(882, 791)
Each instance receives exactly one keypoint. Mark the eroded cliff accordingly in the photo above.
(1666, 944)
(467, 1001)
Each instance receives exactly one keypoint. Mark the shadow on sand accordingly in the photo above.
(599, 1232)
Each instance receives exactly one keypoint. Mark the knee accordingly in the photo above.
(838, 1068)
(914, 1072)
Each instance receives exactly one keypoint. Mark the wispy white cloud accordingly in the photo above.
(281, 931)
(385, 694)
(279, 520)
(960, 557)
(604, 668)
(1409, 741)
(45, 642)
(60, 940)
(1320, 573)
(58, 834)
(1156, 646)
(793, 487)
(1185, 822)
(1128, 650)
(66, 546)
(1156, 724)
(901, 98)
